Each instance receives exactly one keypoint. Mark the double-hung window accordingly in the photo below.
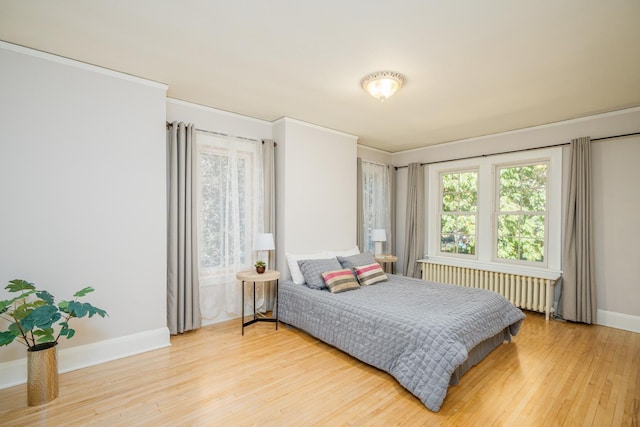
(521, 212)
(458, 212)
(499, 210)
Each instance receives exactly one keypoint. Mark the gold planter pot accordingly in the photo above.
(42, 375)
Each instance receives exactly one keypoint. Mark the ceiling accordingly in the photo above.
(472, 67)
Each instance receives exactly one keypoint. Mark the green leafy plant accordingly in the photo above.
(260, 264)
(34, 316)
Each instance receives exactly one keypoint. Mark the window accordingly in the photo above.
(229, 189)
(497, 211)
(522, 213)
(376, 203)
(458, 212)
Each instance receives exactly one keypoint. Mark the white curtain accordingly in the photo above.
(230, 213)
(183, 311)
(376, 204)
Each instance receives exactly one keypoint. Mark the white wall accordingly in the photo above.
(615, 198)
(316, 181)
(616, 204)
(82, 185)
(215, 120)
(374, 155)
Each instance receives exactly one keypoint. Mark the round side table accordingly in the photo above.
(253, 277)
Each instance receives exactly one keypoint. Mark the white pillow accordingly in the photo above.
(348, 252)
(294, 268)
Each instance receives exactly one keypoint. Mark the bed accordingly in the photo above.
(425, 334)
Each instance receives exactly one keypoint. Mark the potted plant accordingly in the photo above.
(36, 321)
(261, 266)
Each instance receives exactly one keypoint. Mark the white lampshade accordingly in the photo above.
(263, 242)
(378, 235)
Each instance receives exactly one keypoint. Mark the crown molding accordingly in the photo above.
(81, 65)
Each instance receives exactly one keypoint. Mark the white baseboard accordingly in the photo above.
(15, 372)
(618, 320)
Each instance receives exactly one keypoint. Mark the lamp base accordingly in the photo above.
(378, 248)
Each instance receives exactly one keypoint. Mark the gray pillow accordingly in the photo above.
(312, 270)
(359, 260)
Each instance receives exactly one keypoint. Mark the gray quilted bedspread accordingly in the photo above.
(417, 331)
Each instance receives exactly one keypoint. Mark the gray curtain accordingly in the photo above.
(183, 287)
(269, 186)
(360, 207)
(414, 225)
(392, 208)
(578, 299)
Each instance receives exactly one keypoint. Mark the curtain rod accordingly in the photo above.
(244, 138)
(521, 150)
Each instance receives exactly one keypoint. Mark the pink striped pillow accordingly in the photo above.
(340, 280)
(370, 274)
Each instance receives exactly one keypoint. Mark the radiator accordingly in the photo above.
(524, 291)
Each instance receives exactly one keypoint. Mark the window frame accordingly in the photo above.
(220, 146)
(441, 212)
(486, 226)
(497, 213)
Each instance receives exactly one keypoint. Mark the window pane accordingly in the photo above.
(510, 200)
(508, 225)
(534, 200)
(507, 248)
(449, 183)
(531, 250)
(448, 243)
(460, 203)
(468, 181)
(468, 202)
(466, 244)
(532, 226)
(522, 212)
(533, 176)
(509, 179)
(467, 224)
(448, 224)
(458, 234)
(466, 241)
(449, 203)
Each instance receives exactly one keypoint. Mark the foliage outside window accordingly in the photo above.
(459, 212)
(522, 212)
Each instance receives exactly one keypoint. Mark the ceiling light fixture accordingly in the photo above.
(383, 84)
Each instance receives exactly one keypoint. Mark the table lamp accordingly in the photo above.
(378, 236)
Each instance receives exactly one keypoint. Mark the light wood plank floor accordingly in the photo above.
(552, 374)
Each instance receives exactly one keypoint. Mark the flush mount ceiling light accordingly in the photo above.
(383, 84)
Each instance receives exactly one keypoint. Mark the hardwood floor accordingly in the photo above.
(552, 374)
